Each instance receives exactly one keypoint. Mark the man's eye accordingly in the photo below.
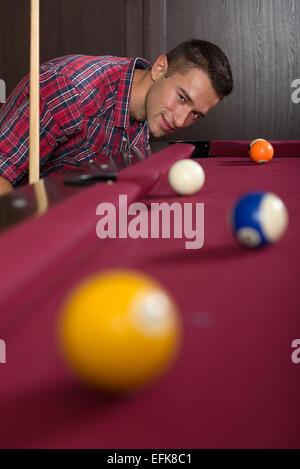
(182, 98)
(196, 115)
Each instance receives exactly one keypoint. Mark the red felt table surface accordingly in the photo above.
(234, 383)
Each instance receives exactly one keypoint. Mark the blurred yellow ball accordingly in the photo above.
(119, 330)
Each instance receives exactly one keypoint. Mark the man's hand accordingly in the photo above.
(5, 186)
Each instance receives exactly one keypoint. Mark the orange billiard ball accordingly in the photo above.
(119, 331)
(261, 151)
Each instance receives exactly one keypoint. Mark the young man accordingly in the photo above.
(102, 105)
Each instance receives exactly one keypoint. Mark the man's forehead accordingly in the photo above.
(194, 77)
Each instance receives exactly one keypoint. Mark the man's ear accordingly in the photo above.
(159, 67)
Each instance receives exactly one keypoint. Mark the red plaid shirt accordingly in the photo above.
(84, 112)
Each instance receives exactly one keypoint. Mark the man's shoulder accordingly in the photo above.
(83, 69)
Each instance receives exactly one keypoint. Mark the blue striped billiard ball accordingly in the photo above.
(259, 218)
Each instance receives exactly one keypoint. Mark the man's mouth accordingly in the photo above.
(165, 124)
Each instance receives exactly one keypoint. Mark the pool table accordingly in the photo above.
(234, 384)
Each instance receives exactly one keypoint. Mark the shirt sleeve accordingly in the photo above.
(60, 118)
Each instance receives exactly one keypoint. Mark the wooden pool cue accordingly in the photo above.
(34, 132)
(41, 198)
(34, 126)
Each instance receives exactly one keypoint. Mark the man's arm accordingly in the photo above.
(5, 186)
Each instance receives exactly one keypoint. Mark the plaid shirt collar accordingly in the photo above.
(122, 117)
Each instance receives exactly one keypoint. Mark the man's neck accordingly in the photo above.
(140, 86)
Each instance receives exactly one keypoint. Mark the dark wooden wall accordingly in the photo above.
(260, 37)
(91, 27)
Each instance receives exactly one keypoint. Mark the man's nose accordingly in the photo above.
(181, 117)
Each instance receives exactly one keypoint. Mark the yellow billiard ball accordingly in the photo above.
(119, 330)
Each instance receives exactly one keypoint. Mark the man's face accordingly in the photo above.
(176, 102)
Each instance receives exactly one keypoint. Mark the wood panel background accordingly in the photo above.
(260, 37)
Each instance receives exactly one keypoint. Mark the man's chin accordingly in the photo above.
(158, 132)
(158, 135)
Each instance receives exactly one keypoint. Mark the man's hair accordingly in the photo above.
(206, 56)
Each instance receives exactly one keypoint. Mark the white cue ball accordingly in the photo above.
(186, 177)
